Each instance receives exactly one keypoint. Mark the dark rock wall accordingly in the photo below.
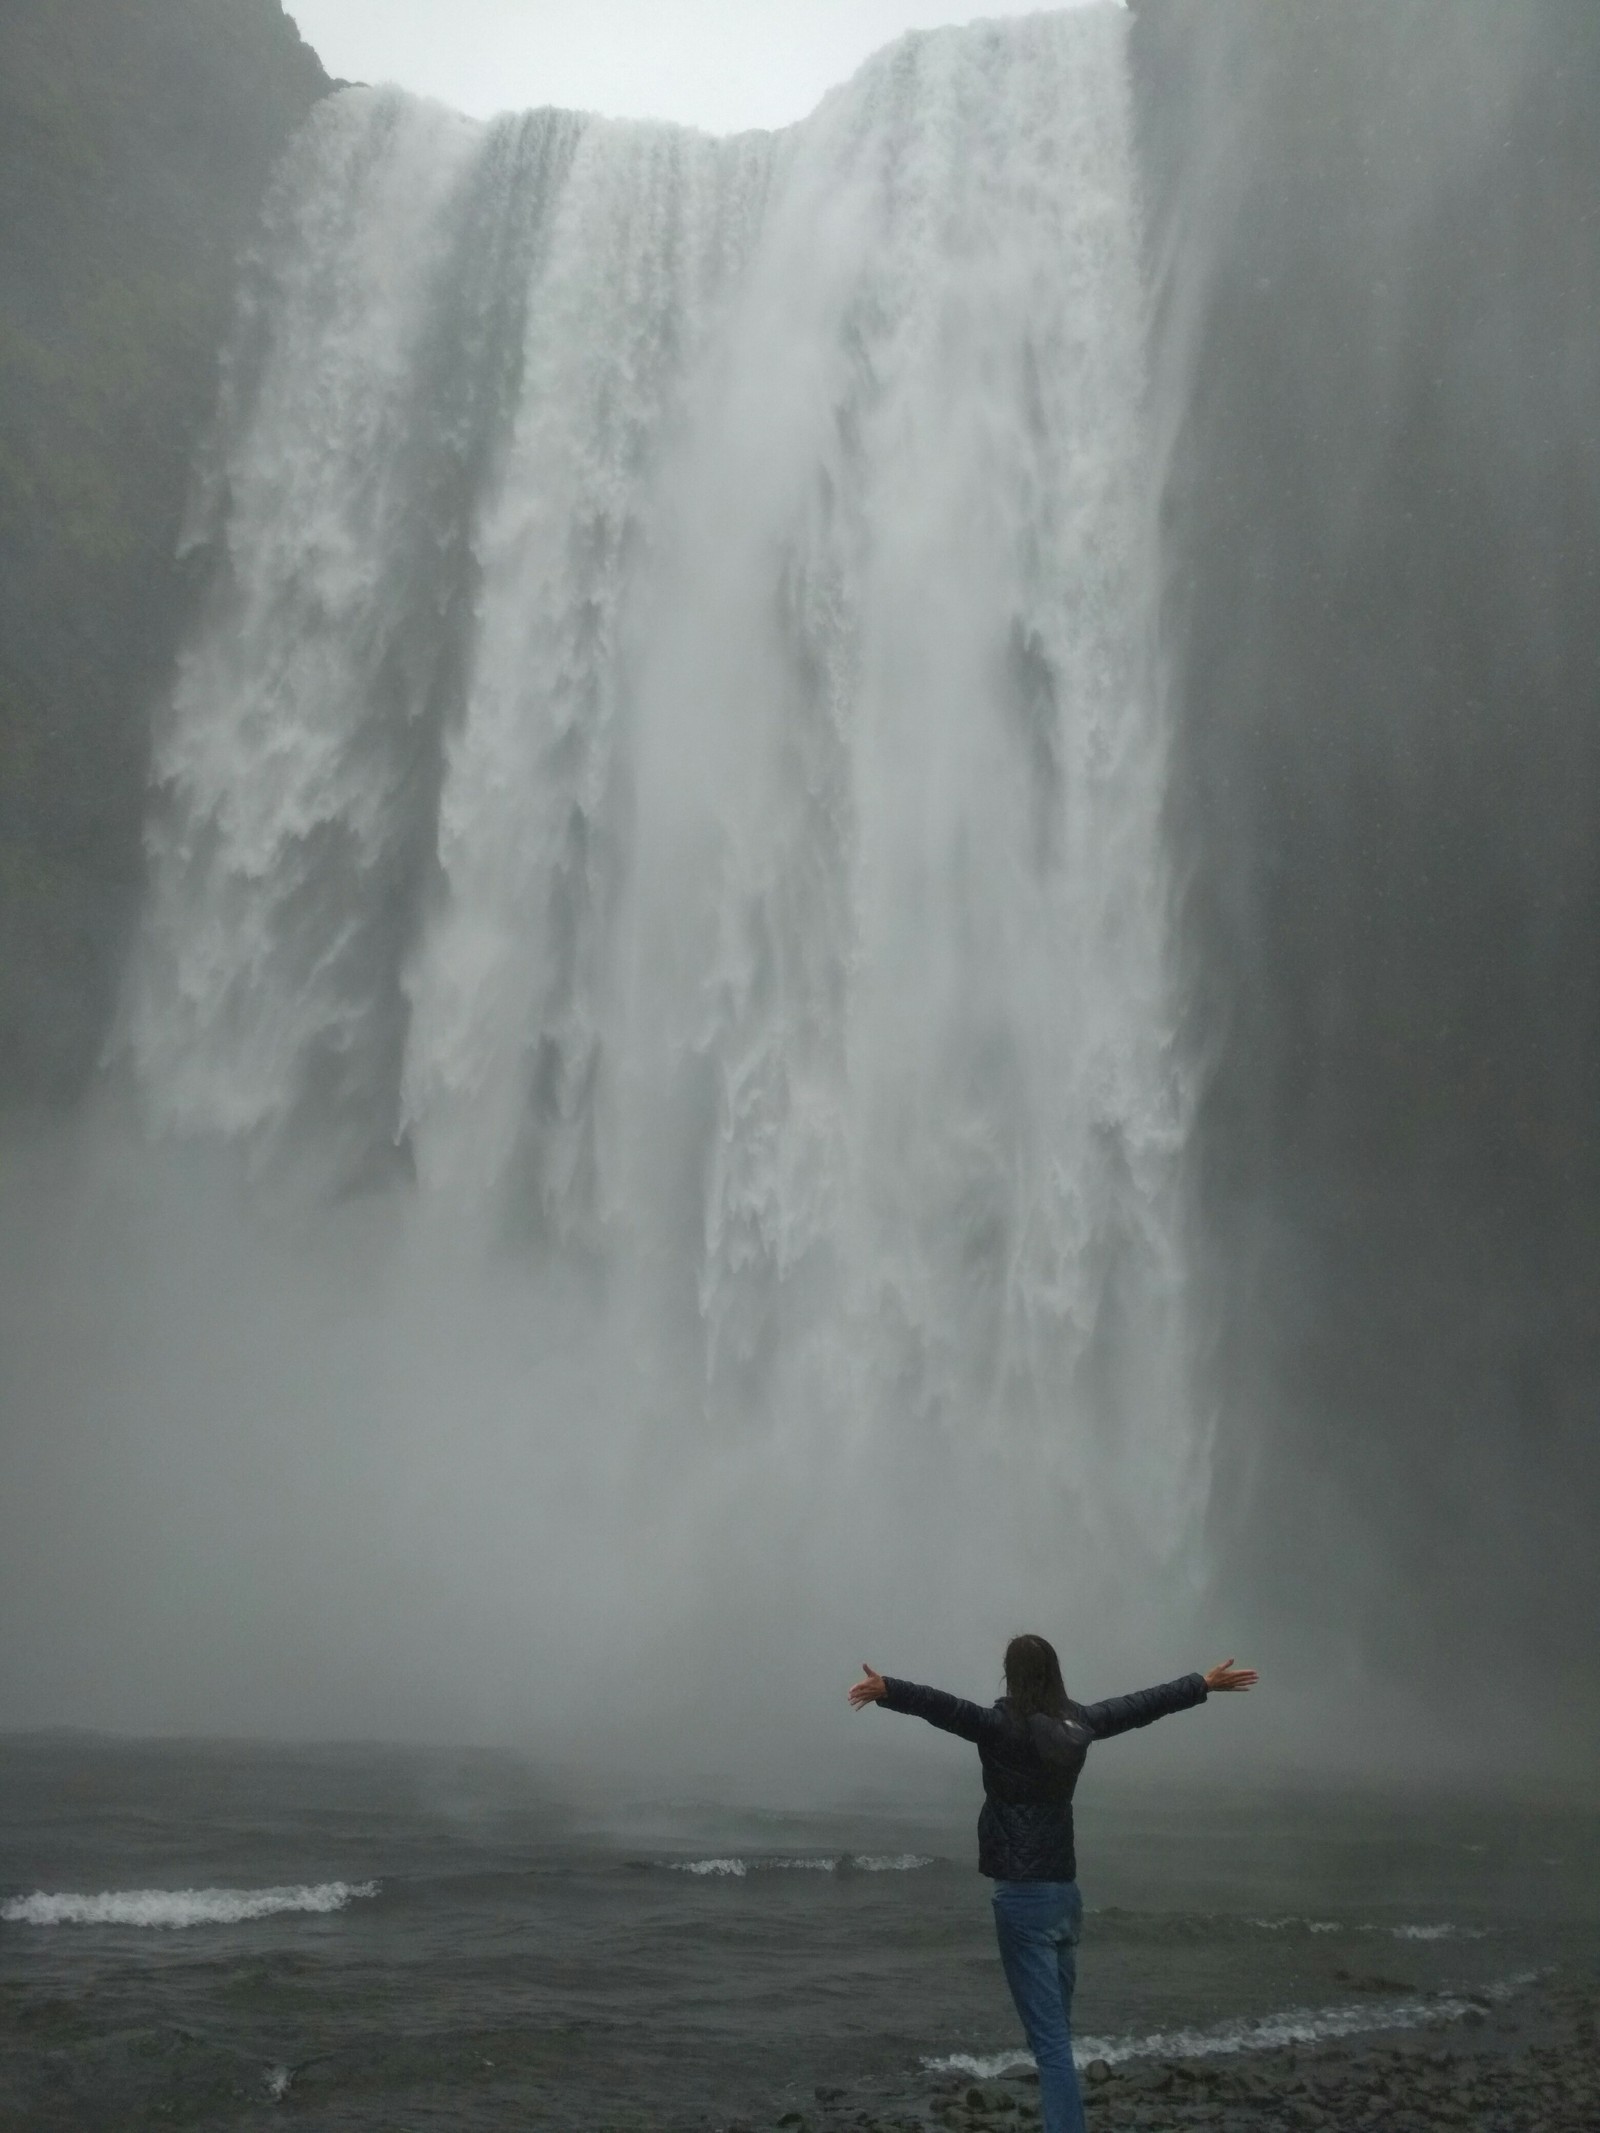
(136, 137)
(1376, 233)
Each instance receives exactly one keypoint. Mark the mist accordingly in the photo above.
(869, 918)
(326, 1478)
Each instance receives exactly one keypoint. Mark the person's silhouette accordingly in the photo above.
(1032, 1744)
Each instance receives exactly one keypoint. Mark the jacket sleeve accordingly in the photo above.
(1120, 1714)
(951, 1714)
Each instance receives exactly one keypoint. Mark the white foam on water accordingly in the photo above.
(1293, 2025)
(981, 2069)
(181, 1907)
(1433, 1932)
(1227, 1922)
(738, 1868)
(1340, 1925)
(862, 1862)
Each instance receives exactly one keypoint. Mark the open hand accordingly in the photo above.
(869, 1691)
(1227, 1676)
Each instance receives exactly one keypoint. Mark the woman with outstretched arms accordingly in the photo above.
(1032, 1744)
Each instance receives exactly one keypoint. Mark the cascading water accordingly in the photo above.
(665, 789)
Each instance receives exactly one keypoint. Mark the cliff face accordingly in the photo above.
(1376, 230)
(136, 137)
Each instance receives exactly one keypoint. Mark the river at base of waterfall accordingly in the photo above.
(206, 1934)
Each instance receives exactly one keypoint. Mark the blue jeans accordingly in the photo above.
(1037, 1924)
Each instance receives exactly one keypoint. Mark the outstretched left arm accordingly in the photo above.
(1120, 1714)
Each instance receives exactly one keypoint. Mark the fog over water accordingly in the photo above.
(706, 1085)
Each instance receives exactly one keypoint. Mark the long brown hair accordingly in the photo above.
(1033, 1678)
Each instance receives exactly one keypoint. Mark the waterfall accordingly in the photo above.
(663, 794)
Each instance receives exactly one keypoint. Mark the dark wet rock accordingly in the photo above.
(1152, 2080)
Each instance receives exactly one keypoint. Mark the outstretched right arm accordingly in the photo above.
(951, 1714)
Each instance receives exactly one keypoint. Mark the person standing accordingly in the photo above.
(1032, 1744)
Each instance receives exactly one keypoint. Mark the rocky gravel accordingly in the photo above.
(1530, 2067)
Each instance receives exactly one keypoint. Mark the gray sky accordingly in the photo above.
(721, 64)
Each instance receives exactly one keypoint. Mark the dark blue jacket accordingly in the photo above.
(1031, 1765)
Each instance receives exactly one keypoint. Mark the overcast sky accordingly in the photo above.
(721, 64)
